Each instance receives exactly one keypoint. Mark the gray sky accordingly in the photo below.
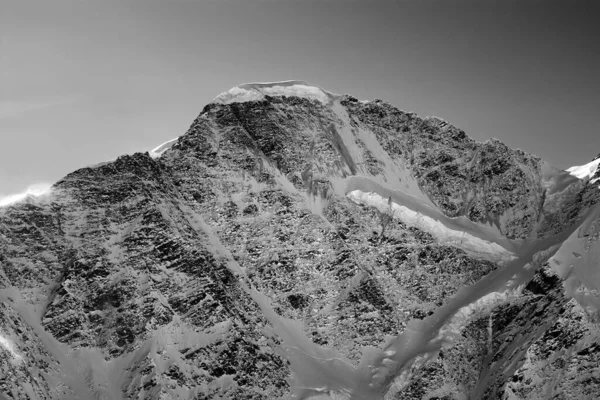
(86, 81)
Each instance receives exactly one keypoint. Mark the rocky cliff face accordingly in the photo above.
(299, 243)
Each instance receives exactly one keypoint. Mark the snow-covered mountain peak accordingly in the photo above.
(258, 90)
(588, 170)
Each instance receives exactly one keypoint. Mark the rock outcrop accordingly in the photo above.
(231, 264)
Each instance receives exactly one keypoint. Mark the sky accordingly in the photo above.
(82, 82)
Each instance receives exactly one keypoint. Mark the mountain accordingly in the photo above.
(588, 171)
(296, 243)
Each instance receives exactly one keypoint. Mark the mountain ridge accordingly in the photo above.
(233, 262)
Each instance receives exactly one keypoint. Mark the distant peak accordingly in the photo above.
(258, 90)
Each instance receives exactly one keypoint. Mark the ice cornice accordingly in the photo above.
(159, 150)
(258, 90)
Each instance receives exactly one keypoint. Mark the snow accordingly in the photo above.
(36, 190)
(257, 91)
(154, 153)
(585, 171)
(159, 150)
(7, 344)
(443, 233)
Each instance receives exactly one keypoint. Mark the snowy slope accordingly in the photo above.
(444, 234)
(587, 171)
(33, 190)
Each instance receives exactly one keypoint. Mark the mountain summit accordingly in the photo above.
(258, 91)
(294, 243)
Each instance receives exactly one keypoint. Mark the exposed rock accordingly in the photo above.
(138, 278)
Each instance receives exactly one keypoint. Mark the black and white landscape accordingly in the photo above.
(298, 242)
(401, 203)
